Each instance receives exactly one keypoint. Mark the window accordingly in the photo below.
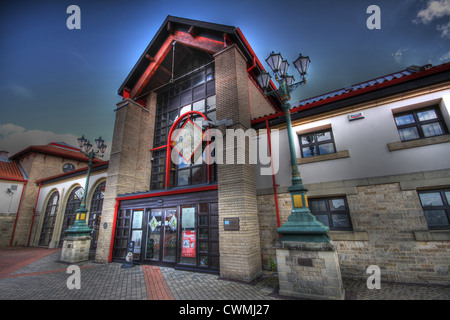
(436, 207)
(421, 123)
(49, 219)
(317, 143)
(193, 93)
(332, 212)
(73, 204)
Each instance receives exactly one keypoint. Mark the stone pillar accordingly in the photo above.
(76, 249)
(240, 252)
(129, 164)
(309, 270)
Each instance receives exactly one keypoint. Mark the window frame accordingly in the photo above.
(418, 124)
(445, 207)
(328, 212)
(316, 142)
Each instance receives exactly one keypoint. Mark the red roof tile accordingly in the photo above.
(56, 149)
(10, 171)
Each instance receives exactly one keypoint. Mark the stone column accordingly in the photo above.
(240, 252)
(129, 165)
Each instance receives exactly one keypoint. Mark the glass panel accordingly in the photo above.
(172, 116)
(432, 129)
(310, 151)
(203, 234)
(447, 195)
(431, 199)
(186, 97)
(307, 139)
(204, 261)
(317, 206)
(405, 119)
(323, 136)
(211, 103)
(152, 249)
(340, 221)
(198, 93)
(203, 246)
(183, 177)
(199, 106)
(337, 204)
(326, 148)
(427, 115)
(203, 220)
(323, 218)
(188, 236)
(198, 175)
(436, 217)
(185, 109)
(170, 235)
(408, 134)
(198, 79)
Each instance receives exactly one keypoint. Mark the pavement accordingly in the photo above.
(37, 274)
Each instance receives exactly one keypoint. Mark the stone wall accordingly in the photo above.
(387, 222)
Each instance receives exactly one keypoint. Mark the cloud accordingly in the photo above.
(14, 138)
(20, 91)
(435, 9)
(398, 55)
(445, 57)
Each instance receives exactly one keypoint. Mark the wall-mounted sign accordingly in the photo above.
(355, 116)
(188, 244)
(231, 224)
(188, 218)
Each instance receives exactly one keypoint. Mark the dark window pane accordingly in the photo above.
(183, 177)
(324, 136)
(436, 218)
(432, 129)
(310, 151)
(324, 219)
(326, 148)
(337, 204)
(317, 206)
(340, 221)
(409, 134)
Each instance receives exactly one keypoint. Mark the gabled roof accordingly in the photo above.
(408, 79)
(154, 67)
(55, 149)
(10, 170)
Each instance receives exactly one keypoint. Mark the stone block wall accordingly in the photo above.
(389, 219)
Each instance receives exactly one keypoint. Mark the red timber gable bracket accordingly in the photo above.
(189, 39)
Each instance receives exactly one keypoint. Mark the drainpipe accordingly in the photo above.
(34, 214)
(111, 246)
(18, 209)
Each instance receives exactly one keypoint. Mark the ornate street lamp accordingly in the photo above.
(79, 227)
(301, 224)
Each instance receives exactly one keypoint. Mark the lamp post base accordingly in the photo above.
(75, 249)
(309, 270)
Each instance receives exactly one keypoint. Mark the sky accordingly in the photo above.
(58, 83)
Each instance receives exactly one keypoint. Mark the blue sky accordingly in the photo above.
(57, 84)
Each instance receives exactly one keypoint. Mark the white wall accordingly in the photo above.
(366, 140)
(9, 203)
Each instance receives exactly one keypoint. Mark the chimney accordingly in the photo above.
(4, 156)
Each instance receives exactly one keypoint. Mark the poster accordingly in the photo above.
(137, 219)
(188, 218)
(188, 244)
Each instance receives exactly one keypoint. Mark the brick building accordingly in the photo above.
(374, 157)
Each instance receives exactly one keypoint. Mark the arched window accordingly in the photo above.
(95, 213)
(73, 204)
(49, 219)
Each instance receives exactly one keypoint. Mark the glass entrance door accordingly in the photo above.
(162, 226)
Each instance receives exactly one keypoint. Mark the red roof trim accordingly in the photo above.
(10, 171)
(62, 151)
(346, 95)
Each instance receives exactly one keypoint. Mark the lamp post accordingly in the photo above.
(79, 227)
(301, 224)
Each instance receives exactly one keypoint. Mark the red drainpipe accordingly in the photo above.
(34, 214)
(273, 176)
(18, 209)
(116, 208)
